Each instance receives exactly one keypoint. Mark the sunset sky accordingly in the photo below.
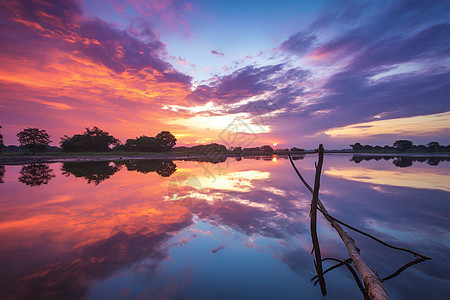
(239, 73)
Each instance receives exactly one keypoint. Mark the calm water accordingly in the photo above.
(229, 230)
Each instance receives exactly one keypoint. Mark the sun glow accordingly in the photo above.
(402, 126)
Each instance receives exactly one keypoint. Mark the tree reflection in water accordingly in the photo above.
(2, 173)
(36, 174)
(93, 171)
(165, 168)
(98, 171)
(400, 161)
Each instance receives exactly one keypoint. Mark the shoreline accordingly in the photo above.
(30, 159)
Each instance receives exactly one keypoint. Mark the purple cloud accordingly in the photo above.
(62, 24)
(243, 83)
(214, 52)
(405, 32)
(298, 43)
(215, 250)
(432, 42)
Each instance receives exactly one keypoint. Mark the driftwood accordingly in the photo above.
(372, 283)
(403, 268)
(355, 275)
(328, 216)
(313, 216)
(422, 256)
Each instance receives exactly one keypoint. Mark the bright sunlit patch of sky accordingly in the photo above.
(238, 123)
(402, 126)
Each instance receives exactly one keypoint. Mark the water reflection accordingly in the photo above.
(93, 171)
(2, 173)
(165, 168)
(244, 234)
(98, 171)
(401, 161)
(425, 179)
(36, 174)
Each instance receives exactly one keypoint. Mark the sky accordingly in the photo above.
(239, 73)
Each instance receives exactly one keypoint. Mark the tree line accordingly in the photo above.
(401, 146)
(93, 140)
(97, 140)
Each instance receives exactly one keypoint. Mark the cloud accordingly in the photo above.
(169, 14)
(243, 83)
(432, 42)
(391, 65)
(215, 250)
(214, 52)
(53, 57)
(61, 24)
(298, 43)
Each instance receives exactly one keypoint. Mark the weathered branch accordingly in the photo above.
(313, 215)
(355, 276)
(410, 264)
(348, 260)
(372, 282)
(327, 216)
(424, 257)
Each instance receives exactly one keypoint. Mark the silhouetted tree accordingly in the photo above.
(120, 147)
(433, 146)
(267, 149)
(131, 145)
(295, 149)
(148, 144)
(420, 148)
(2, 173)
(36, 174)
(213, 149)
(34, 139)
(94, 171)
(237, 150)
(403, 145)
(357, 147)
(166, 140)
(93, 139)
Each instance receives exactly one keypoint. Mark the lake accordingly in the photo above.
(233, 229)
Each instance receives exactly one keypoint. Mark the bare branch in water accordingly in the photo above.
(313, 214)
(410, 264)
(328, 216)
(372, 282)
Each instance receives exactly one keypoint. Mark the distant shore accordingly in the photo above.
(33, 159)
(20, 159)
